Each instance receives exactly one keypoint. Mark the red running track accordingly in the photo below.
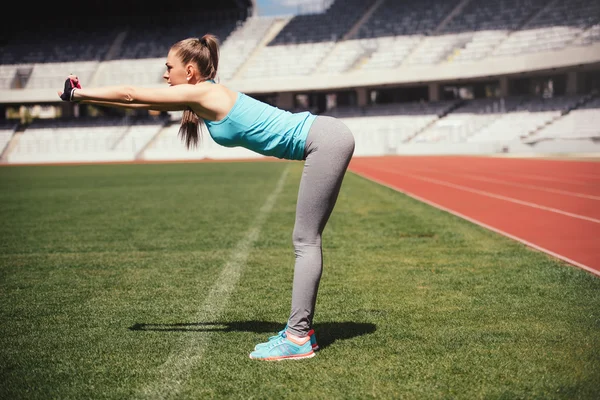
(550, 205)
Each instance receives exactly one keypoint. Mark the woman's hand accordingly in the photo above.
(71, 83)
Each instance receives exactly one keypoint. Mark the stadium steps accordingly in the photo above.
(120, 138)
(492, 121)
(453, 53)
(459, 7)
(360, 61)
(526, 21)
(530, 138)
(535, 14)
(352, 32)
(115, 48)
(276, 27)
(22, 75)
(457, 104)
(161, 131)
(14, 141)
(5, 150)
(589, 27)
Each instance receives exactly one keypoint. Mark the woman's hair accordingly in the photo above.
(204, 52)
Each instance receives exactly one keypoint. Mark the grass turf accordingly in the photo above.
(104, 268)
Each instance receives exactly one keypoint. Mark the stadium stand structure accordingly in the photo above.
(582, 122)
(242, 43)
(302, 44)
(382, 129)
(7, 130)
(557, 25)
(350, 39)
(386, 38)
(84, 139)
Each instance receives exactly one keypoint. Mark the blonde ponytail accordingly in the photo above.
(189, 129)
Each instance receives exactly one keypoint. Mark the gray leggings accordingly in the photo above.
(329, 148)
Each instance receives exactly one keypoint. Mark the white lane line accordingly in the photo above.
(483, 224)
(489, 194)
(502, 182)
(173, 373)
(569, 178)
(536, 177)
(544, 178)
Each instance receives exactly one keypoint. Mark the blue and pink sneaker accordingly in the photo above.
(283, 348)
(282, 333)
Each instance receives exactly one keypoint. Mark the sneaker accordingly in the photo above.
(281, 333)
(283, 348)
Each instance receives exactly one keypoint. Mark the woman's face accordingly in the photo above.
(176, 73)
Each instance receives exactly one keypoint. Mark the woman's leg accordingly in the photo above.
(330, 146)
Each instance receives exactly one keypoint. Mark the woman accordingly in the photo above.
(324, 143)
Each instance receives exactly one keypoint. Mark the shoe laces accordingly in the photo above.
(277, 342)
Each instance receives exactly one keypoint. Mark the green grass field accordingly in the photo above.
(156, 281)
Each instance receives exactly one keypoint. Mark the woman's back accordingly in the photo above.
(262, 128)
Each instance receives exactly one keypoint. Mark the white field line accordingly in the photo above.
(484, 225)
(503, 182)
(489, 194)
(174, 372)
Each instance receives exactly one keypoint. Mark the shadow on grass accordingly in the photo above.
(327, 332)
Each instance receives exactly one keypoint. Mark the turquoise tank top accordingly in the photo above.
(262, 128)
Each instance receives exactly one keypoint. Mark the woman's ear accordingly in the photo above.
(189, 72)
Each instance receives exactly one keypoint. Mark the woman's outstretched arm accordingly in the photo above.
(127, 96)
(179, 96)
(206, 100)
(134, 106)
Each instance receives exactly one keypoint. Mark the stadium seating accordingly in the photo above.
(351, 36)
(305, 40)
(482, 25)
(25, 46)
(45, 75)
(240, 44)
(83, 140)
(167, 145)
(329, 26)
(344, 55)
(381, 129)
(497, 119)
(580, 123)
(394, 29)
(465, 120)
(405, 18)
(591, 35)
(7, 75)
(287, 60)
(148, 71)
(152, 36)
(557, 25)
